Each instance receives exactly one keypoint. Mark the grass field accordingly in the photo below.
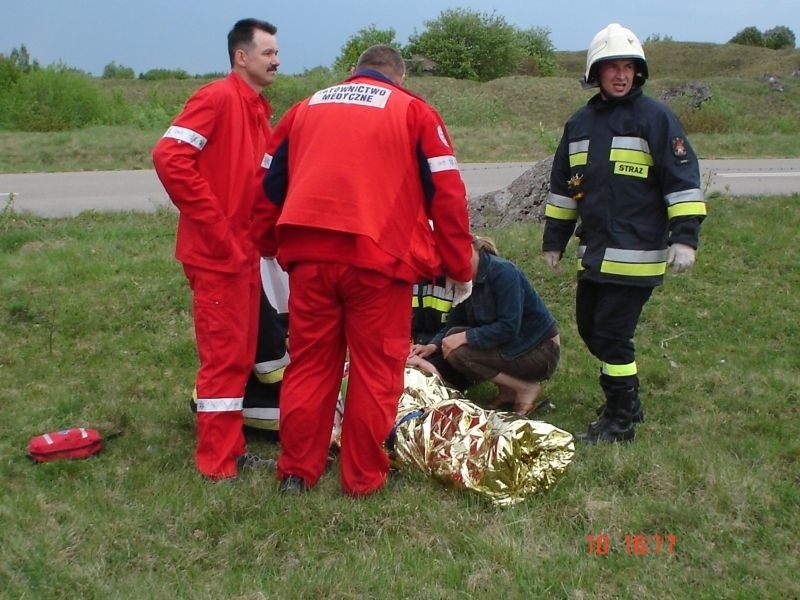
(95, 330)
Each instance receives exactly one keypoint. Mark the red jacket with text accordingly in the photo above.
(363, 172)
(211, 166)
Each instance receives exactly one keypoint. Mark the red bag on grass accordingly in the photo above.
(77, 442)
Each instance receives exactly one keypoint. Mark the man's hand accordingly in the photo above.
(680, 257)
(422, 350)
(453, 341)
(552, 258)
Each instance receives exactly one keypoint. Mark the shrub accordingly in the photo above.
(749, 36)
(21, 58)
(114, 71)
(657, 37)
(161, 74)
(9, 73)
(715, 116)
(779, 37)
(289, 89)
(53, 99)
(466, 44)
(537, 50)
(363, 39)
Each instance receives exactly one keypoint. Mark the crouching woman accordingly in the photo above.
(503, 333)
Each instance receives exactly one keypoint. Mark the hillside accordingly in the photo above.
(516, 118)
(693, 60)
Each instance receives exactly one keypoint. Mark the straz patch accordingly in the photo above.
(353, 93)
(631, 170)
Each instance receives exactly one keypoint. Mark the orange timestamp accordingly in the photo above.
(635, 544)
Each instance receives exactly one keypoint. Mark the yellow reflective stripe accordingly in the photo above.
(630, 156)
(619, 370)
(580, 265)
(271, 371)
(414, 302)
(686, 209)
(258, 424)
(634, 269)
(563, 214)
(267, 366)
(636, 263)
(578, 159)
(271, 376)
(437, 303)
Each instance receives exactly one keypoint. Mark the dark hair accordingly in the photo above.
(383, 58)
(241, 36)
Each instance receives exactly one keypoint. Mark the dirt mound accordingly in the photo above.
(521, 202)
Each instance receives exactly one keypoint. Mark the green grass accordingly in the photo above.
(95, 330)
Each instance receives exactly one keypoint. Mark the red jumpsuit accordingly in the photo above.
(210, 162)
(358, 172)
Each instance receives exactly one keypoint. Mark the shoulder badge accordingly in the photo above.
(442, 137)
(679, 147)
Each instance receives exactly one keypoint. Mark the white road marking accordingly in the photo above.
(787, 174)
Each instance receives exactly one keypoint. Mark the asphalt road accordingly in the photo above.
(68, 194)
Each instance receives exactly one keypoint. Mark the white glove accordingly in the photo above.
(552, 258)
(461, 290)
(680, 257)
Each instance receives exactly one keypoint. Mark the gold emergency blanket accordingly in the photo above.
(498, 454)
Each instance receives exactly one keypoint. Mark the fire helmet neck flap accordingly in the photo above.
(611, 42)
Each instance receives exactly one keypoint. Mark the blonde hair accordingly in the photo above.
(484, 243)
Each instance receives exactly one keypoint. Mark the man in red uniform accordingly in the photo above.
(358, 173)
(211, 161)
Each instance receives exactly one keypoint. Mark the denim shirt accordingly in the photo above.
(503, 312)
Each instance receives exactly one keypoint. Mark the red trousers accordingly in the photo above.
(225, 308)
(333, 308)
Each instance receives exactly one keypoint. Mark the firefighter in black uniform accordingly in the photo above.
(625, 173)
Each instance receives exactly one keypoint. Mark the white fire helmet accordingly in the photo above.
(614, 41)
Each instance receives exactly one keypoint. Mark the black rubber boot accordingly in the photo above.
(616, 420)
(637, 412)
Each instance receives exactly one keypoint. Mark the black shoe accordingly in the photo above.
(253, 462)
(607, 430)
(292, 485)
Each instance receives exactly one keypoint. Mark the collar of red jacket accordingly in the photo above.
(249, 92)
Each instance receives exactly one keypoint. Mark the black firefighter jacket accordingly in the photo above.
(625, 173)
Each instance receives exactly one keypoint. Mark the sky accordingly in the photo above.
(191, 34)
